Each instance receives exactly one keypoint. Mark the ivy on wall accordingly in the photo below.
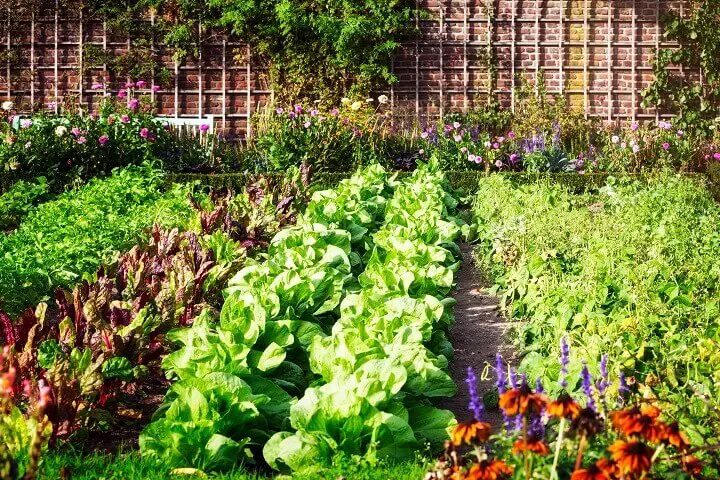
(696, 103)
(323, 49)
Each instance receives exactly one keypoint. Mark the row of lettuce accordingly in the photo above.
(334, 344)
(630, 271)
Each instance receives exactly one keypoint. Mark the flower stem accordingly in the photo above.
(558, 445)
(525, 452)
(581, 447)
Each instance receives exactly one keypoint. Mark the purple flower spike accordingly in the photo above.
(539, 386)
(500, 372)
(604, 383)
(475, 404)
(587, 387)
(513, 378)
(564, 361)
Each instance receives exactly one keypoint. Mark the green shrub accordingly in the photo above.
(21, 199)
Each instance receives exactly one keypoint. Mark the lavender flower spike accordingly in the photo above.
(587, 387)
(475, 405)
(539, 385)
(604, 374)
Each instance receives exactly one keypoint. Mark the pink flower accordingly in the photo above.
(298, 108)
(292, 115)
(124, 119)
(680, 133)
(464, 150)
(471, 158)
(623, 145)
(458, 138)
(204, 127)
(75, 131)
(52, 105)
(498, 163)
(478, 159)
(97, 86)
(140, 84)
(335, 112)
(511, 135)
(132, 104)
(81, 140)
(456, 125)
(122, 94)
(634, 127)
(155, 88)
(666, 146)
(716, 156)
(501, 139)
(580, 163)
(314, 113)
(103, 140)
(636, 148)
(26, 123)
(424, 134)
(496, 145)
(129, 85)
(279, 110)
(307, 124)
(144, 133)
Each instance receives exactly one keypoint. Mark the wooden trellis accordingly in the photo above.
(430, 84)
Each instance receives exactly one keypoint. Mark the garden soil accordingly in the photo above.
(478, 334)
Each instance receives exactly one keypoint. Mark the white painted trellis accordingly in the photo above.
(413, 91)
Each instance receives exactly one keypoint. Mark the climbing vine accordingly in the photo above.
(318, 48)
(696, 102)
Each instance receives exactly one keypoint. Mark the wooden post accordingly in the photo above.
(586, 33)
(537, 45)
(200, 77)
(224, 84)
(610, 76)
(634, 63)
(81, 66)
(32, 62)
(152, 55)
(561, 50)
(442, 73)
(657, 47)
(248, 106)
(417, 60)
(465, 56)
(512, 57)
(56, 59)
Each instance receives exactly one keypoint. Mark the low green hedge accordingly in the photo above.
(466, 181)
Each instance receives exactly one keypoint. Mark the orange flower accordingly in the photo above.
(564, 406)
(675, 437)
(692, 465)
(532, 445)
(522, 400)
(633, 457)
(591, 473)
(472, 432)
(489, 470)
(642, 422)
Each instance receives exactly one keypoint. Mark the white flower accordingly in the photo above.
(369, 100)
(615, 139)
(344, 100)
(7, 105)
(60, 131)
(487, 144)
(356, 106)
(383, 99)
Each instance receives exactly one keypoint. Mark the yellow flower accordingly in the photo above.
(356, 106)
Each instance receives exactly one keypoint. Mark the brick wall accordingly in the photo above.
(597, 53)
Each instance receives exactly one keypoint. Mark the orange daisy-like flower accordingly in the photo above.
(489, 470)
(675, 437)
(636, 421)
(692, 465)
(603, 469)
(532, 445)
(522, 400)
(564, 406)
(632, 458)
(472, 432)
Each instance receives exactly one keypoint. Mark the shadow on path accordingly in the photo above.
(479, 332)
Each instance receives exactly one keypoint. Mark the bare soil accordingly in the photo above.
(478, 334)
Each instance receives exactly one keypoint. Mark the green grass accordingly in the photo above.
(132, 466)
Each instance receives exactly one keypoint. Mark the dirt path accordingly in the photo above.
(478, 334)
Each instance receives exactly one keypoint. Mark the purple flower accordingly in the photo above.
(298, 108)
(579, 163)
(279, 110)
(97, 86)
(129, 85)
(475, 404)
(103, 140)
(623, 388)
(75, 131)
(122, 94)
(314, 113)
(564, 361)
(132, 104)
(716, 156)
(478, 159)
(291, 115)
(124, 119)
(26, 123)
(501, 381)
(587, 387)
(81, 140)
(52, 105)
(511, 135)
(666, 146)
(155, 88)
(204, 128)
(634, 127)
(424, 134)
(140, 84)
(604, 374)
(539, 385)
(144, 133)
(496, 145)
(680, 133)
